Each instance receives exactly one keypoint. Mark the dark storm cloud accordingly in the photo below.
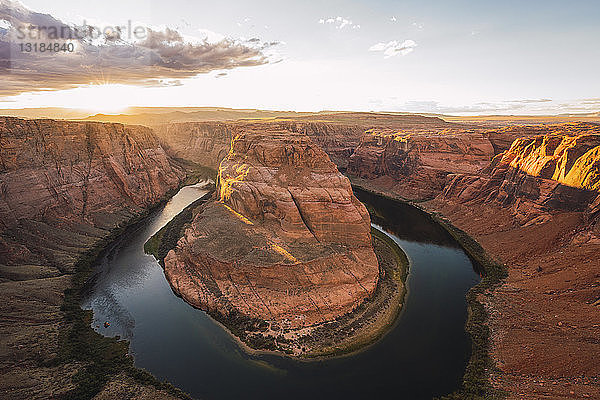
(105, 55)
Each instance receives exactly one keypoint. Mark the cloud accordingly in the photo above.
(530, 101)
(339, 22)
(393, 48)
(109, 54)
(591, 101)
(524, 107)
(478, 108)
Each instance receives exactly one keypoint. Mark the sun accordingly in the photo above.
(93, 98)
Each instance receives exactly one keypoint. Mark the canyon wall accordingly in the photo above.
(338, 140)
(503, 137)
(535, 208)
(338, 134)
(415, 164)
(286, 241)
(64, 186)
(207, 143)
(74, 180)
(538, 175)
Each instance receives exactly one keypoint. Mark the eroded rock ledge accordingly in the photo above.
(286, 242)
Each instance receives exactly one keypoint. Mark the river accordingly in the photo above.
(424, 354)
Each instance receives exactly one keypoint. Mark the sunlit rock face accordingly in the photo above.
(338, 134)
(64, 185)
(286, 241)
(283, 178)
(537, 175)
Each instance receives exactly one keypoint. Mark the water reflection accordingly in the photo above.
(405, 221)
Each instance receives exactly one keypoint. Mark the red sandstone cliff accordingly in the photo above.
(538, 175)
(338, 134)
(63, 187)
(536, 208)
(415, 164)
(503, 137)
(73, 180)
(207, 143)
(286, 241)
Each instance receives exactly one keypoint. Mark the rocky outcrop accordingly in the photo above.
(64, 184)
(338, 140)
(64, 187)
(538, 175)
(415, 163)
(286, 241)
(503, 137)
(339, 134)
(536, 208)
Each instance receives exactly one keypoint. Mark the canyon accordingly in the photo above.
(208, 142)
(536, 176)
(65, 188)
(534, 207)
(415, 164)
(529, 194)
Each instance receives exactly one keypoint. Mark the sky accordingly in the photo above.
(453, 57)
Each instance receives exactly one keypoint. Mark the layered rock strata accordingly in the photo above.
(415, 164)
(69, 180)
(538, 175)
(338, 134)
(286, 242)
(536, 209)
(64, 187)
(204, 143)
(208, 143)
